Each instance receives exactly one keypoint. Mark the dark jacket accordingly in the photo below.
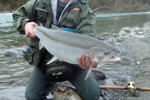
(76, 16)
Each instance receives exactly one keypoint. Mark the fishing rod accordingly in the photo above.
(131, 87)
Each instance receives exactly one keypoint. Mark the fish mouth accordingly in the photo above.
(112, 58)
(115, 58)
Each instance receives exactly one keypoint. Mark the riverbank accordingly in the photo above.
(8, 8)
(134, 44)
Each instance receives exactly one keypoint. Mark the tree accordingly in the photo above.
(14, 3)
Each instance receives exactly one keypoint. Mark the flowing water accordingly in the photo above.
(113, 22)
(14, 71)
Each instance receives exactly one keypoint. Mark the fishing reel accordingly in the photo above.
(131, 87)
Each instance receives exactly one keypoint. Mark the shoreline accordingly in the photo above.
(7, 9)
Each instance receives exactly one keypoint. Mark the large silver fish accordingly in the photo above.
(68, 46)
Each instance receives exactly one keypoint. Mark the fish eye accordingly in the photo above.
(106, 53)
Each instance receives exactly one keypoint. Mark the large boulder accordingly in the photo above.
(65, 93)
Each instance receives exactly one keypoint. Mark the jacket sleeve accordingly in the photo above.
(87, 23)
(23, 15)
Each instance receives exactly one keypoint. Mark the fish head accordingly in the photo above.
(104, 54)
(110, 56)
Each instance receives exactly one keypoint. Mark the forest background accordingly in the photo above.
(11, 5)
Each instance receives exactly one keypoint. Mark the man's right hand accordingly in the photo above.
(29, 29)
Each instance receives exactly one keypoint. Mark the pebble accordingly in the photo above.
(98, 75)
(105, 34)
(118, 44)
(140, 33)
(119, 40)
(138, 63)
(116, 82)
(122, 33)
(127, 32)
(137, 29)
(101, 38)
(140, 36)
(10, 54)
(127, 29)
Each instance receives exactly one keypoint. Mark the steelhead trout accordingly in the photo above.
(68, 46)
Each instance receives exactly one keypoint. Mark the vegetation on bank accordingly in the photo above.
(13, 4)
(125, 4)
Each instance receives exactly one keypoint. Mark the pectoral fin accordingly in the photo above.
(55, 27)
(41, 24)
(89, 72)
(52, 60)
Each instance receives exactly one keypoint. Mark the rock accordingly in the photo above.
(65, 93)
(116, 82)
(137, 29)
(138, 63)
(98, 75)
(119, 40)
(10, 54)
(132, 34)
(140, 33)
(118, 44)
(127, 29)
(140, 36)
(126, 60)
(122, 33)
(101, 38)
(115, 34)
(104, 34)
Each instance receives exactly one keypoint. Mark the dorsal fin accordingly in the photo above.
(55, 27)
(41, 25)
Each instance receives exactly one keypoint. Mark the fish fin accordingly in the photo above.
(41, 25)
(55, 27)
(40, 45)
(89, 72)
(52, 60)
(100, 65)
(93, 54)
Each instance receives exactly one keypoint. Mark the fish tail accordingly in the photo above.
(89, 72)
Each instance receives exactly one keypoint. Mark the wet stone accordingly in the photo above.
(127, 29)
(11, 54)
(101, 38)
(119, 40)
(65, 93)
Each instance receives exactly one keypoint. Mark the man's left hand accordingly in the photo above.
(84, 62)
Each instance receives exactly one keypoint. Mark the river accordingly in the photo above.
(14, 71)
(113, 22)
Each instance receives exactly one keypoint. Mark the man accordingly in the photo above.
(68, 14)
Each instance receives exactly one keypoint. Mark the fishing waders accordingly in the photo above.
(39, 84)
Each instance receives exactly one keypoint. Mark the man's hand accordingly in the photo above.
(29, 29)
(84, 62)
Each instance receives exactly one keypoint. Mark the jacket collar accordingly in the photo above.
(54, 9)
